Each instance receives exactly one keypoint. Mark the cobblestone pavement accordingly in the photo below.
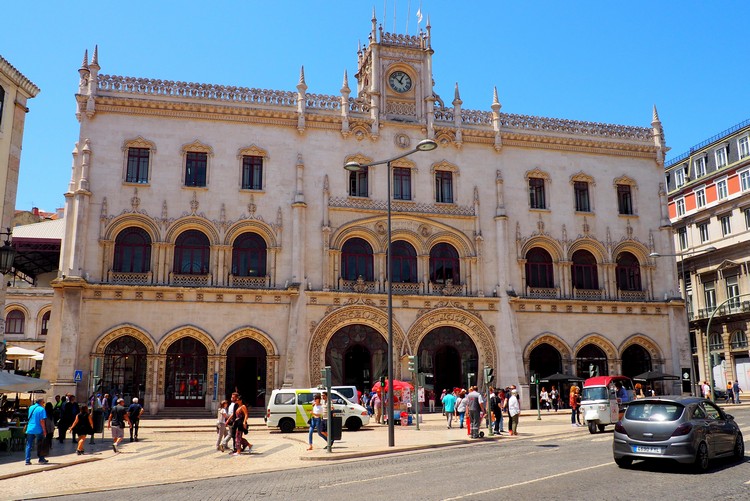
(173, 451)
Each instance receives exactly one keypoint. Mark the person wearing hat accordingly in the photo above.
(36, 429)
(514, 409)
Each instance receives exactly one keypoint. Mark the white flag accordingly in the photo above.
(419, 15)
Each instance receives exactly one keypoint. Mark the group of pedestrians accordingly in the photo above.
(733, 393)
(459, 403)
(68, 416)
(231, 424)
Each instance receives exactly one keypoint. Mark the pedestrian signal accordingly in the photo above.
(412, 363)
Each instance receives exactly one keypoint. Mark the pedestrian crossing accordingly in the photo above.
(188, 452)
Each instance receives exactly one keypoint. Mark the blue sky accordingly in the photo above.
(583, 60)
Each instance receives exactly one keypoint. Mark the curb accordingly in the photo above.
(32, 471)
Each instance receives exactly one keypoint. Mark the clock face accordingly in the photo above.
(399, 81)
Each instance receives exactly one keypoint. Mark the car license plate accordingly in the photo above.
(647, 450)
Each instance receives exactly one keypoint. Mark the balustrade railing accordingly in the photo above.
(543, 292)
(250, 282)
(189, 280)
(119, 277)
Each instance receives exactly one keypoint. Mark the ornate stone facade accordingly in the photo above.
(464, 275)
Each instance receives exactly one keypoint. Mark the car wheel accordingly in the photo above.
(624, 462)
(739, 447)
(286, 425)
(701, 458)
(592, 427)
(353, 424)
(601, 428)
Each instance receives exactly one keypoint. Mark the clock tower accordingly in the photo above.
(395, 77)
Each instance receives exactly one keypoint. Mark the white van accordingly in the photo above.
(349, 392)
(290, 408)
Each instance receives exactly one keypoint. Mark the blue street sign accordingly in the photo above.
(78, 376)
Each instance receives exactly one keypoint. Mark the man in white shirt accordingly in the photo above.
(230, 419)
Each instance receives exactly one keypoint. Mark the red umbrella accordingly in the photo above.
(397, 385)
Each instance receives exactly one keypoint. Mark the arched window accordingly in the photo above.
(249, 256)
(45, 324)
(404, 262)
(591, 361)
(356, 260)
(132, 251)
(191, 253)
(584, 271)
(15, 322)
(539, 272)
(628, 272)
(739, 340)
(444, 264)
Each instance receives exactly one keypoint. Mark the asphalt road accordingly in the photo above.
(577, 467)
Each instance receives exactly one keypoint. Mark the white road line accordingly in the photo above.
(368, 479)
(478, 493)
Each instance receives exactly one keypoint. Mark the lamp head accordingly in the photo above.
(654, 254)
(426, 145)
(710, 248)
(353, 167)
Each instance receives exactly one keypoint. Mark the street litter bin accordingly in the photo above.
(98, 418)
(336, 424)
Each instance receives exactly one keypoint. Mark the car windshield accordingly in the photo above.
(654, 411)
(595, 393)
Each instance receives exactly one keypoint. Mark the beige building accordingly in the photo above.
(214, 240)
(15, 91)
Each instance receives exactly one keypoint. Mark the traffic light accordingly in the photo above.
(489, 375)
(382, 382)
(325, 376)
(412, 363)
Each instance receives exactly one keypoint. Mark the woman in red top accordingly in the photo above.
(573, 401)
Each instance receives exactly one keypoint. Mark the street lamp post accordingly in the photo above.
(682, 255)
(708, 342)
(423, 145)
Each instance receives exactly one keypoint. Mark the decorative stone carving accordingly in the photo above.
(101, 344)
(460, 319)
(349, 315)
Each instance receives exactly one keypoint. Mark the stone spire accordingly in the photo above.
(345, 86)
(457, 97)
(85, 63)
(496, 119)
(659, 142)
(301, 101)
(95, 59)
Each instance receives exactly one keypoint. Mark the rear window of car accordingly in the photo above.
(654, 411)
(284, 399)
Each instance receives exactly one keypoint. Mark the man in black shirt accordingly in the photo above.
(117, 419)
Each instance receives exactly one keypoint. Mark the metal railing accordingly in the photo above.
(672, 161)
